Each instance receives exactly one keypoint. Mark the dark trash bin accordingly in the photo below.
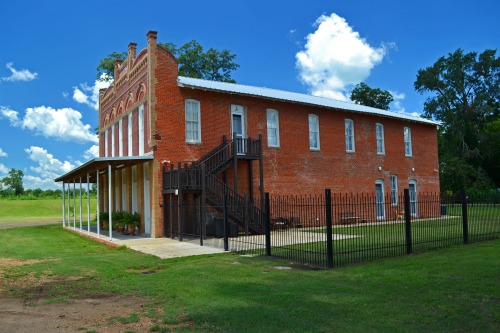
(443, 210)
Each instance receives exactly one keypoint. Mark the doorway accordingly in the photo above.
(238, 126)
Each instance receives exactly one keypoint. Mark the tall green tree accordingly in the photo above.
(193, 62)
(374, 97)
(464, 95)
(107, 65)
(14, 181)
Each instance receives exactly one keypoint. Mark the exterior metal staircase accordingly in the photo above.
(201, 177)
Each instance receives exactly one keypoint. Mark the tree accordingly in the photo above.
(106, 68)
(193, 62)
(374, 97)
(464, 96)
(14, 181)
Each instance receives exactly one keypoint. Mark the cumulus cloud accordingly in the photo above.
(21, 75)
(11, 115)
(2, 153)
(89, 95)
(4, 171)
(63, 124)
(48, 168)
(336, 57)
(91, 153)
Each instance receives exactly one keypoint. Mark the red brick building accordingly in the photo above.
(286, 143)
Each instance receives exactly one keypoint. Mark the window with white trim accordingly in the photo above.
(120, 137)
(193, 123)
(112, 140)
(141, 129)
(273, 129)
(349, 136)
(379, 133)
(106, 143)
(313, 132)
(394, 190)
(130, 135)
(407, 135)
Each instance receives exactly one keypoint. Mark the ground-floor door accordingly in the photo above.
(413, 197)
(379, 200)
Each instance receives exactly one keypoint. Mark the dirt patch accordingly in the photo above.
(103, 314)
(51, 303)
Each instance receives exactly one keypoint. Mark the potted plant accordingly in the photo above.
(104, 218)
(117, 221)
(134, 220)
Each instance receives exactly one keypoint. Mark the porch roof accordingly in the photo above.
(101, 164)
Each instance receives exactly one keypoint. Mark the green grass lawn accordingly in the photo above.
(32, 211)
(450, 290)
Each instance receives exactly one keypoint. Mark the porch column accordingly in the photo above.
(69, 204)
(80, 204)
(110, 202)
(88, 204)
(64, 205)
(97, 210)
(74, 204)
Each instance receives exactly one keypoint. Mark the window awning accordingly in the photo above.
(101, 164)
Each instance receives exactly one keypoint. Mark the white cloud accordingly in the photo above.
(89, 95)
(2, 153)
(10, 115)
(22, 75)
(397, 106)
(47, 170)
(92, 152)
(4, 171)
(336, 57)
(63, 124)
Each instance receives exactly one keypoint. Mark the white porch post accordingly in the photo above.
(64, 205)
(74, 204)
(69, 204)
(97, 210)
(80, 204)
(110, 202)
(88, 204)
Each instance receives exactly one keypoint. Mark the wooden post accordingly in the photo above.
(235, 162)
(261, 173)
(203, 204)
(179, 201)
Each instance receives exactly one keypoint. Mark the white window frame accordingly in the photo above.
(120, 137)
(394, 189)
(270, 113)
(130, 134)
(113, 140)
(314, 122)
(350, 146)
(106, 143)
(141, 129)
(379, 137)
(407, 141)
(197, 123)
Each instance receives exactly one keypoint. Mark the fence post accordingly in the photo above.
(409, 245)
(226, 221)
(329, 229)
(267, 224)
(465, 218)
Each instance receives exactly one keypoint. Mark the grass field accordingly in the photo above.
(44, 210)
(451, 290)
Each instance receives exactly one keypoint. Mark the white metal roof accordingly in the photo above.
(293, 97)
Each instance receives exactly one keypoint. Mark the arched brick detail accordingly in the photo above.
(141, 92)
(130, 102)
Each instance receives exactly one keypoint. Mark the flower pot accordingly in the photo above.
(131, 229)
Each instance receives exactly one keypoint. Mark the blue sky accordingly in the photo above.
(49, 51)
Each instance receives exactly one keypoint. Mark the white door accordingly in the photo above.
(147, 205)
(238, 126)
(379, 200)
(413, 197)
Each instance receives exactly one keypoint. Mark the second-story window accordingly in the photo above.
(379, 132)
(349, 136)
(313, 132)
(273, 130)
(193, 124)
(408, 149)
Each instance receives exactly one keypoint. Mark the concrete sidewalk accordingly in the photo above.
(160, 247)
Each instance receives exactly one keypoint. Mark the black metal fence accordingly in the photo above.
(334, 230)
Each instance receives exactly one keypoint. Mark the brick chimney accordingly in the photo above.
(132, 48)
(152, 37)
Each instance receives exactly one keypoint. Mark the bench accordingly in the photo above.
(279, 223)
(348, 218)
